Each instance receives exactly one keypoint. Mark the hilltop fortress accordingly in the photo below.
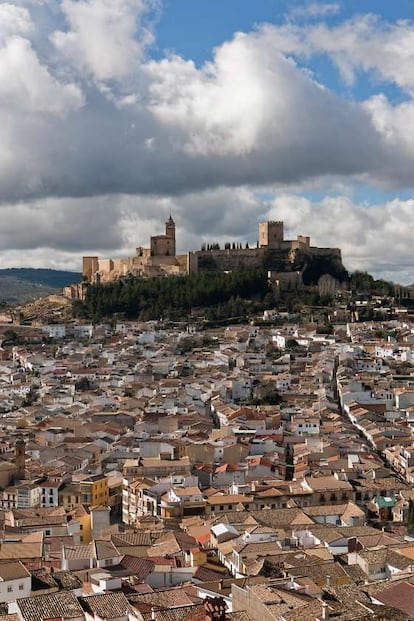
(293, 263)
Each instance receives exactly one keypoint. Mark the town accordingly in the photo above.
(157, 471)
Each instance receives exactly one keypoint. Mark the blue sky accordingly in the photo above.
(194, 27)
(225, 112)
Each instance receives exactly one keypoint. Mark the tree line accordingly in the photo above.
(227, 246)
(223, 294)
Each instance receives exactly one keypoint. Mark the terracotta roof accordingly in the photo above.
(106, 605)
(139, 567)
(63, 605)
(400, 596)
(12, 570)
(20, 550)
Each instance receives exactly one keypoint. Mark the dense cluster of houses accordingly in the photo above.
(154, 472)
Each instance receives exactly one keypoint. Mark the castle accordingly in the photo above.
(292, 263)
(160, 259)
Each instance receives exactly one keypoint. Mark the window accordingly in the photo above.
(81, 527)
(9, 589)
(21, 587)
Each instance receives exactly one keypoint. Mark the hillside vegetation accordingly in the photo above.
(223, 295)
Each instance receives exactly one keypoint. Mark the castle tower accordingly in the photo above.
(170, 233)
(270, 234)
(20, 459)
(90, 265)
(170, 228)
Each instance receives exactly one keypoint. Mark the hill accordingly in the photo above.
(18, 285)
(56, 279)
(225, 295)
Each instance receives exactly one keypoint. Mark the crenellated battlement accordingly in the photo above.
(271, 234)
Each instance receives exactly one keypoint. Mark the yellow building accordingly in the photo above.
(94, 490)
(82, 515)
(88, 491)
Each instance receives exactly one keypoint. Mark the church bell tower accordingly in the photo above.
(170, 233)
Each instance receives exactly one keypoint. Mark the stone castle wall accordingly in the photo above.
(273, 253)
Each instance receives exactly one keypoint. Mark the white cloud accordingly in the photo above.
(376, 237)
(364, 43)
(27, 85)
(373, 237)
(250, 100)
(314, 10)
(85, 113)
(14, 20)
(102, 39)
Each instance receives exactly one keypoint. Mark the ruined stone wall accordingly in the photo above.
(229, 260)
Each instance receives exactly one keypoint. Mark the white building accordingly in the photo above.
(15, 581)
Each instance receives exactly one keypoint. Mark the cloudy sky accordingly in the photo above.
(225, 112)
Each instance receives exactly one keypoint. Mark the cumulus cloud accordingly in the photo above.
(373, 237)
(62, 224)
(14, 20)
(362, 44)
(104, 38)
(239, 119)
(27, 86)
(249, 101)
(96, 135)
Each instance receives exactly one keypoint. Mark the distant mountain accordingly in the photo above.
(56, 279)
(18, 285)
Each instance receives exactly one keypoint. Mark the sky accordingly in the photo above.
(224, 113)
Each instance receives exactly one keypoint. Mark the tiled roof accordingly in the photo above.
(143, 538)
(106, 605)
(79, 552)
(62, 605)
(20, 550)
(67, 580)
(139, 567)
(170, 598)
(13, 570)
(105, 550)
(185, 613)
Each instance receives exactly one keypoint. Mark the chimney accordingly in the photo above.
(152, 613)
(328, 580)
(215, 609)
(324, 611)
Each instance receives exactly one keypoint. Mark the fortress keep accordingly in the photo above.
(293, 263)
(159, 259)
